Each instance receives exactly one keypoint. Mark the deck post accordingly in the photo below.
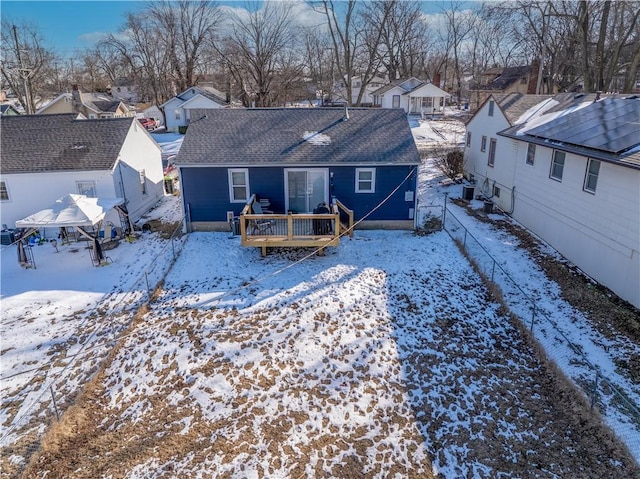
(264, 251)
(290, 226)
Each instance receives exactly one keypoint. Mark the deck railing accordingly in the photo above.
(294, 229)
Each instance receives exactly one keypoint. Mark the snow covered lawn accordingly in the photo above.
(385, 358)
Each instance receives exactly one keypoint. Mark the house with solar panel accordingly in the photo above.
(567, 168)
(46, 157)
(274, 168)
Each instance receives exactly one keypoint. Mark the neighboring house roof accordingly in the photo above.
(96, 102)
(389, 86)
(606, 129)
(199, 101)
(508, 77)
(514, 105)
(7, 109)
(305, 136)
(41, 143)
(427, 89)
(410, 85)
(208, 92)
(107, 106)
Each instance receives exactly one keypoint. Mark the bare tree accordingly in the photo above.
(355, 41)
(186, 27)
(318, 60)
(404, 40)
(26, 64)
(607, 30)
(459, 26)
(260, 50)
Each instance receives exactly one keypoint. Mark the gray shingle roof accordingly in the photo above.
(508, 76)
(39, 143)
(304, 136)
(514, 105)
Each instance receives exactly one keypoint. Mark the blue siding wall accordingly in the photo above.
(206, 191)
(387, 178)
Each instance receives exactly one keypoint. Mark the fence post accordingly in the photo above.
(173, 248)
(146, 278)
(464, 242)
(594, 391)
(533, 317)
(55, 406)
(444, 211)
(493, 269)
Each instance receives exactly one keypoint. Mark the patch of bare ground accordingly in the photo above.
(523, 418)
(175, 436)
(165, 229)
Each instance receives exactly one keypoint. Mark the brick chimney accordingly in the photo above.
(437, 79)
(76, 98)
(533, 77)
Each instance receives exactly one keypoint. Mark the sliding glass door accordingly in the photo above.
(306, 189)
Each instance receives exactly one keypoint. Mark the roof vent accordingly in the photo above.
(346, 113)
(598, 93)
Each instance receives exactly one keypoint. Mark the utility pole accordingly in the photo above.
(25, 73)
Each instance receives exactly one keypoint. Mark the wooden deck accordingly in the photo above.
(294, 230)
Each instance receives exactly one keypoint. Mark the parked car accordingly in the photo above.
(149, 123)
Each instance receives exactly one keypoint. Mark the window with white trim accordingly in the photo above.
(395, 101)
(557, 165)
(87, 188)
(468, 138)
(483, 143)
(492, 152)
(4, 191)
(238, 185)
(178, 115)
(492, 105)
(591, 177)
(365, 180)
(531, 153)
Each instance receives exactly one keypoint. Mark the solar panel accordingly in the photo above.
(611, 125)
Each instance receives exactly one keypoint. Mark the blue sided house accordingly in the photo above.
(293, 160)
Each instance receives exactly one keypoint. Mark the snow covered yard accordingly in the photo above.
(385, 358)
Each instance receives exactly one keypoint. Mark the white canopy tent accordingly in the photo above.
(71, 211)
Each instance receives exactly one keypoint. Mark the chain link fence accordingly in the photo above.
(49, 390)
(598, 384)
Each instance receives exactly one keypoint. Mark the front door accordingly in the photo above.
(306, 189)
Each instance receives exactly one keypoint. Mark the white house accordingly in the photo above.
(567, 168)
(45, 157)
(177, 110)
(414, 96)
(339, 93)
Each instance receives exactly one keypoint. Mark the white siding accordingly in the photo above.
(32, 192)
(599, 233)
(170, 108)
(476, 161)
(139, 152)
